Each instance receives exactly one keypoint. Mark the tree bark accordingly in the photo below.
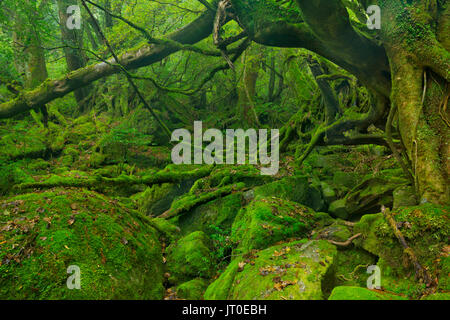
(73, 40)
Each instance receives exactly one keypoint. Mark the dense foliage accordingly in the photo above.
(87, 177)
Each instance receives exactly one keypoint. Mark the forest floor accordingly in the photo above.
(100, 195)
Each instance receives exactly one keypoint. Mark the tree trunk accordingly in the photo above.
(247, 91)
(420, 91)
(328, 94)
(73, 40)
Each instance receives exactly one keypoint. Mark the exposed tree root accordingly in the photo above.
(345, 243)
(421, 272)
(394, 150)
(191, 202)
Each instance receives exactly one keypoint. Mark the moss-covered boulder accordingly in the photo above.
(337, 231)
(42, 234)
(125, 143)
(357, 293)
(170, 231)
(338, 209)
(346, 179)
(12, 173)
(266, 221)
(404, 196)
(425, 229)
(299, 270)
(219, 213)
(20, 140)
(189, 258)
(351, 267)
(372, 193)
(193, 289)
(298, 189)
(157, 199)
(82, 130)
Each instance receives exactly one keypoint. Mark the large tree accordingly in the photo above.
(405, 66)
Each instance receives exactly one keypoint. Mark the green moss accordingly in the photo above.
(297, 189)
(220, 212)
(190, 257)
(351, 267)
(168, 229)
(437, 296)
(116, 249)
(192, 290)
(156, 199)
(425, 229)
(266, 221)
(21, 141)
(295, 271)
(67, 161)
(11, 174)
(219, 289)
(71, 151)
(357, 293)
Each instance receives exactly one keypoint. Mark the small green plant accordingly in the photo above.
(223, 245)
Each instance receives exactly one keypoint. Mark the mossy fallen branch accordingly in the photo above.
(99, 181)
(191, 201)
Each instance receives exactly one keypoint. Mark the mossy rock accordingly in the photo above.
(437, 296)
(347, 179)
(337, 231)
(22, 141)
(189, 258)
(71, 151)
(192, 290)
(329, 194)
(298, 189)
(156, 199)
(81, 132)
(372, 193)
(171, 231)
(404, 197)
(116, 249)
(266, 221)
(357, 293)
(338, 209)
(220, 213)
(66, 161)
(10, 175)
(425, 229)
(351, 267)
(299, 270)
